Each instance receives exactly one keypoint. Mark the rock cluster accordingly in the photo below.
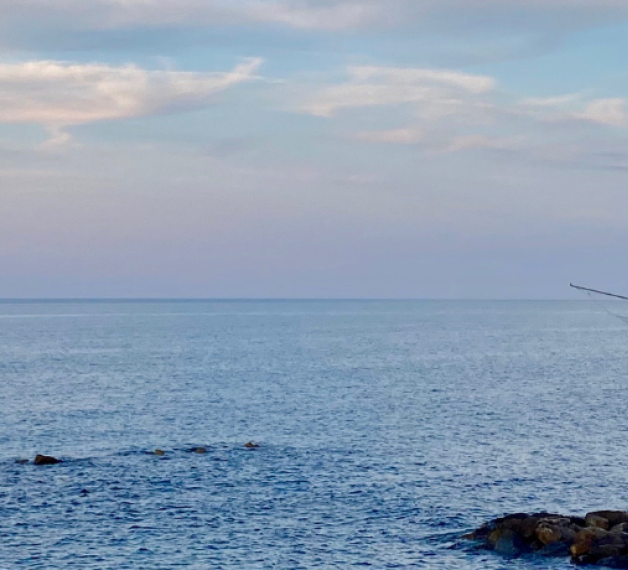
(600, 538)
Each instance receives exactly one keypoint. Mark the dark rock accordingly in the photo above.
(510, 544)
(585, 539)
(595, 532)
(160, 452)
(613, 517)
(601, 538)
(494, 537)
(580, 547)
(554, 530)
(199, 450)
(586, 560)
(568, 534)
(605, 551)
(597, 521)
(555, 549)
(549, 534)
(251, 445)
(481, 533)
(46, 460)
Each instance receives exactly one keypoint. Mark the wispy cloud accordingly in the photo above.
(436, 92)
(447, 111)
(57, 94)
(108, 14)
(410, 135)
(475, 142)
(316, 14)
(610, 112)
(576, 108)
(440, 105)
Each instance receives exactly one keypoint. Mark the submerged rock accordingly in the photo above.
(46, 460)
(199, 450)
(600, 538)
(160, 452)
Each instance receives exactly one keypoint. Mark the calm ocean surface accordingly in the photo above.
(386, 430)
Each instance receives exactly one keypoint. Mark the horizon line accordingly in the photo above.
(262, 299)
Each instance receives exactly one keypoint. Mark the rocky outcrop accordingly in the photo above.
(46, 460)
(600, 538)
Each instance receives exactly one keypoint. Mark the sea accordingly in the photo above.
(386, 430)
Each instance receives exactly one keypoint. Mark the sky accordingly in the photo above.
(313, 148)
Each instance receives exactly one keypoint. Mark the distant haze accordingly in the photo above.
(313, 148)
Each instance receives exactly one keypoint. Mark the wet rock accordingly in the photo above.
(613, 517)
(555, 549)
(580, 548)
(46, 460)
(510, 544)
(251, 445)
(591, 533)
(605, 551)
(600, 538)
(585, 539)
(549, 534)
(568, 534)
(597, 521)
(528, 526)
(160, 452)
(199, 450)
(495, 536)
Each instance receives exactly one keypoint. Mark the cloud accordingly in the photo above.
(408, 135)
(117, 14)
(447, 111)
(441, 105)
(441, 142)
(474, 142)
(317, 15)
(574, 108)
(499, 17)
(430, 15)
(437, 92)
(610, 112)
(56, 94)
(545, 102)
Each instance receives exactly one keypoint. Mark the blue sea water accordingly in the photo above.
(386, 430)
